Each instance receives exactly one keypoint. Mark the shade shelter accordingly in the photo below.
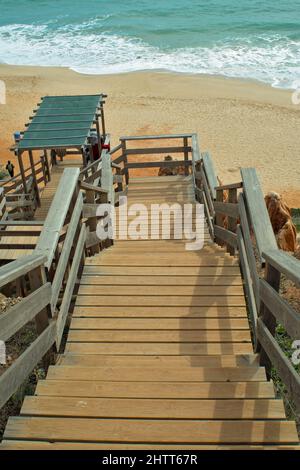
(65, 123)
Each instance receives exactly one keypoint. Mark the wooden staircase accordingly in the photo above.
(159, 354)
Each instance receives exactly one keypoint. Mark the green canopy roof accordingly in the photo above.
(62, 122)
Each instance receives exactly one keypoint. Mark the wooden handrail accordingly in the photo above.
(57, 214)
(284, 263)
(20, 267)
(225, 187)
(155, 137)
(258, 213)
(97, 189)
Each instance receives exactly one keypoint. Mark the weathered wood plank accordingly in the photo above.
(147, 408)
(23, 312)
(15, 375)
(158, 336)
(12, 271)
(158, 150)
(280, 308)
(90, 187)
(160, 260)
(140, 374)
(249, 248)
(164, 164)
(210, 173)
(214, 311)
(226, 208)
(66, 250)
(160, 290)
(41, 445)
(64, 308)
(57, 214)
(161, 301)
(257, 209)
(226, 187)
(216, 390)
(181, 362)
(150, 349)
(163, 324)
(164, 431)
(103, 280)
(162, 270)
(248, 284)
(155, 137)
(225, 235)
(284, 263)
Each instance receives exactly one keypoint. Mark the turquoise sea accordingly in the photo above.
(250, 39)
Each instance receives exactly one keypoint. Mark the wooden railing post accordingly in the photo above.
(232, 221)
(125, 160)
(186, 156)
(3, 212)
(119, 180)
(37, 278)
(37, 193)
(46, 158)
(107, 177)
(92, 221)
(219, 218)
(272, 277)
(42, 158)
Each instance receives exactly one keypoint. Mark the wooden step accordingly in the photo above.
(46, 445)
(161, 301)
(158, 374)
(143, 290)
(168, 324)
(153, 180)
(150, 349)
(161, 270)
(161, 260)
(182, 362)
(159, 336)
(153, 409)
(192, 281)
(152, 431)
(187, 390)
(161, 312)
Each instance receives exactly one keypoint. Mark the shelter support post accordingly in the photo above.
(21, 166)
(34, 178)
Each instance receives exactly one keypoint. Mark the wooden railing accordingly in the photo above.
(21, 201)
(127, 150)
(49, 276)
(238, 219)
(106, 173)
(36, 306)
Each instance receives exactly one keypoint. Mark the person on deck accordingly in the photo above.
(10, 168)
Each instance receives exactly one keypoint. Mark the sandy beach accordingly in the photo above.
(241, 123)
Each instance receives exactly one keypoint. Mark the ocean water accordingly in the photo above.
(249, 39)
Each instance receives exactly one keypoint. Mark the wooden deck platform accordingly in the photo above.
(158, 355)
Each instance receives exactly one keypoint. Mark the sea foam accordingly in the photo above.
(270, 58)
